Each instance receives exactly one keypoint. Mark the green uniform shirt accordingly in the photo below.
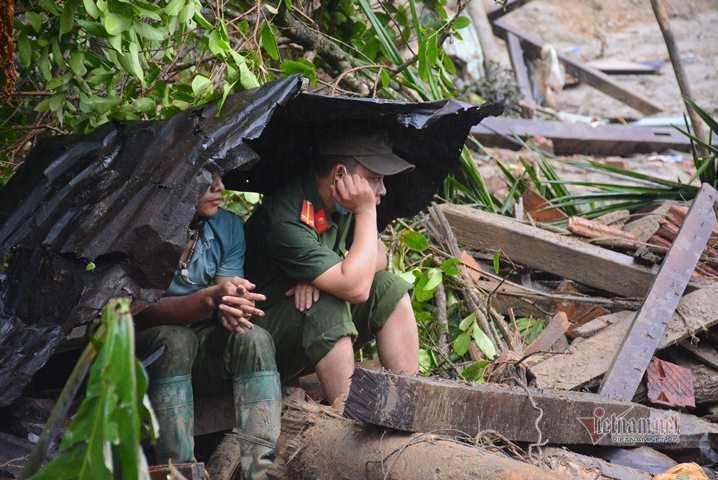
(284, 251)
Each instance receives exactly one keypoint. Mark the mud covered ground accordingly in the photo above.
(627, 30)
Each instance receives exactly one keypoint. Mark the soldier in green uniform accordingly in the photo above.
(211, 346)
(313, 249)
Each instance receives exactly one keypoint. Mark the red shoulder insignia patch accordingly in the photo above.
(306, 215)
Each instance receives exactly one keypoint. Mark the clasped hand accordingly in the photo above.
(305, 295)
(236, 301)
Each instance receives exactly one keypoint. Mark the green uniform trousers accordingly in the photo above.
(208, 352)
(303, 338)
(206, 359)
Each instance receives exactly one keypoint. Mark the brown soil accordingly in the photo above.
(627, 30)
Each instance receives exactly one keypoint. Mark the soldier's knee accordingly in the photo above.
(181, 346)
(251, 351)
(329, 306)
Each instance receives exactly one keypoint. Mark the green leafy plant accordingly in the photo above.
(102, 440)
(470, 331)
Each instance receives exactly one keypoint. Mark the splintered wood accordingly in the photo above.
(591, 358)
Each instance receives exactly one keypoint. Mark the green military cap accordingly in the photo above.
(372, 151)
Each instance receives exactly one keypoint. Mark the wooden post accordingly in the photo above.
(516, 54)
(659, 11)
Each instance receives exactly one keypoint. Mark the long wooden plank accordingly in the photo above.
(516, 55)
(420, 404)
(582, 72)
(571, 138)
(592, 357)
(537, 248)
(649, 326)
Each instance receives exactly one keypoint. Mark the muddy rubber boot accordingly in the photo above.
(258, 404)
(171, 399)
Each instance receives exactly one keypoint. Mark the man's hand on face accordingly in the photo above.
(236, 303)
(354, 193)
(305, 295)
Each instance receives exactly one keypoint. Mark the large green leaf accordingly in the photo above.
(201, 85)
(77, 64)
(115, 23)
(269, 43)
(303, 67)
(461, 344)
(67, 18)
(414, 240)
(174, 7)
(103, 438)
(483, 342)
(136, 66)
(91, 8)
(24, 51)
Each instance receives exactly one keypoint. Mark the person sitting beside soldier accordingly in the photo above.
(313, 248)
(211, 346)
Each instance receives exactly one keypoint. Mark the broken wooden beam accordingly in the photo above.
(518, 63)
(318, 443)
(420, 404)
(592, 357)
(572, 138)
(583, 73)
(649, 326)
(548, 251)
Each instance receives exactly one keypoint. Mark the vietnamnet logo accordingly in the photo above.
(658, 427)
